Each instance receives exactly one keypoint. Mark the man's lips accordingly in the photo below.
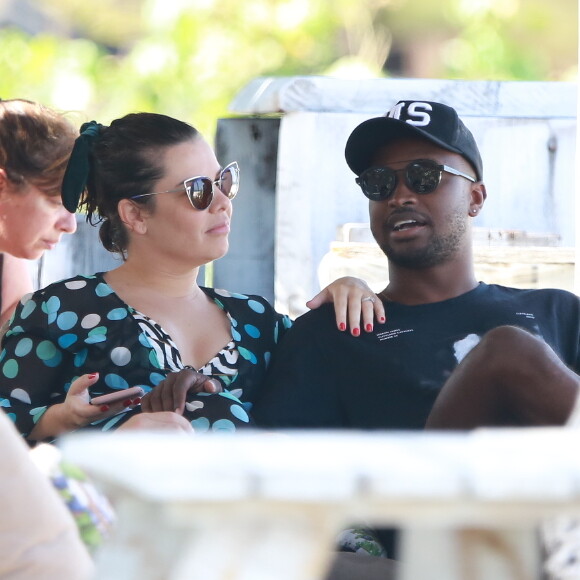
(405, 221)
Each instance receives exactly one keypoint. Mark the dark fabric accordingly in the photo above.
(388, 379)
(80, 326)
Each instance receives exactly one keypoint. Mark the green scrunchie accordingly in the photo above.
(77, 169)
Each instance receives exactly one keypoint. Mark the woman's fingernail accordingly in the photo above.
(103, 408)
(369, 327)
(355, 331)
(92, 375)
(342, 326)
(382, 319)
(136, 401)
(127, 403)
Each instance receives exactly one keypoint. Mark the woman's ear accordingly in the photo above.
(133, 216)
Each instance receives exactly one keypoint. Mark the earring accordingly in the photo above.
(474, 211)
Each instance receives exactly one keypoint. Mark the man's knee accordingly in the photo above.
(505, 340)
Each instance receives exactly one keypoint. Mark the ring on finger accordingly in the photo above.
(369, 298)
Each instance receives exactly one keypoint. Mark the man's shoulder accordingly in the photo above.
(312, 318)
(549, 294)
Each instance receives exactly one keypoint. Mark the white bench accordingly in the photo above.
(267, 506)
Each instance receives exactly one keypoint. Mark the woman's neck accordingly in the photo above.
(161, 280)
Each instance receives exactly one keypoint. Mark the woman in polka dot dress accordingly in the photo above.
(200, 354)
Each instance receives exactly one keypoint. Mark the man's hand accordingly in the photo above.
(162, 421)
(171, 393)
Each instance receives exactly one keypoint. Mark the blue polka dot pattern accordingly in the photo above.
(240, 413)
(156, 378)
(116, 382)
(67, 340)
(10, 368)
(256, 306)
(252, 330)
(23, 347)
(201, 424)
(81, 326)
(103, 290)
(117, 314)
(28, 309)
(66, 320)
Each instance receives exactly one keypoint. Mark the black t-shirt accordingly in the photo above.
(389, 379)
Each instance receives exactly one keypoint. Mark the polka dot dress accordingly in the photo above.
(81, 326)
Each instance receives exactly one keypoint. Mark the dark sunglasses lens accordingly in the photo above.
(423, 177)
(200, 192)
(229, 181)
(378, 183)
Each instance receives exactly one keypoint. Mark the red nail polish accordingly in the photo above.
(136, 401)
(342, 326)
(92, 375)
(369, 327)
(382, 319)
(104, 408)
(355, 331)
(127, 403)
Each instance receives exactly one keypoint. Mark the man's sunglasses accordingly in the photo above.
(421, 176)
(199, 189)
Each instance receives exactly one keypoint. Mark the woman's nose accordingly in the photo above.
(68, 222)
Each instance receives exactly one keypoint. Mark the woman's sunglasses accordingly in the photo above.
(421, 176)
(199, 189)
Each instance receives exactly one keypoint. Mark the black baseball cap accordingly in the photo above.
(435, 122)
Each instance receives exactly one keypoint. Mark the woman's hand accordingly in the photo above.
(76, 411)
(353, 298)
(171, 393)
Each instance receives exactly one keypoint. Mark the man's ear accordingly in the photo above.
(478, 194)
(133, 216)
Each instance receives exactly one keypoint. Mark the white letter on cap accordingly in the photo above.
(418, 115)
(395, 112)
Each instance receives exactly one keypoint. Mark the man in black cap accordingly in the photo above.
(421, 170)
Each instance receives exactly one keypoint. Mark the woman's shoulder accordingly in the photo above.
(76, 293)
(80, 283)
(254, 302)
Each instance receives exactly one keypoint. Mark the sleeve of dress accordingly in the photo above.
(33, 362)
(299, 390)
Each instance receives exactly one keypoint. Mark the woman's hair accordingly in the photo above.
(35, 144)
(125, 161)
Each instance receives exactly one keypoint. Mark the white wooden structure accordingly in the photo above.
(264, 506)
(297, 190)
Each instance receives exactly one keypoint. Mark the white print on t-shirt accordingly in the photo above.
(463, 346)
(392, 333)
(526, 314)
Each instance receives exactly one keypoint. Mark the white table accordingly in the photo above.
(267, 506)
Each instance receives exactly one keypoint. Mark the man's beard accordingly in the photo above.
(440, 249)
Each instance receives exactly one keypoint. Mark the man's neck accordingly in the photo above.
(425, 286)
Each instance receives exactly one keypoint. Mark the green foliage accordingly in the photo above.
(189, 58)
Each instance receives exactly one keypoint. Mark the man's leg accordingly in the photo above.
(510, 378)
